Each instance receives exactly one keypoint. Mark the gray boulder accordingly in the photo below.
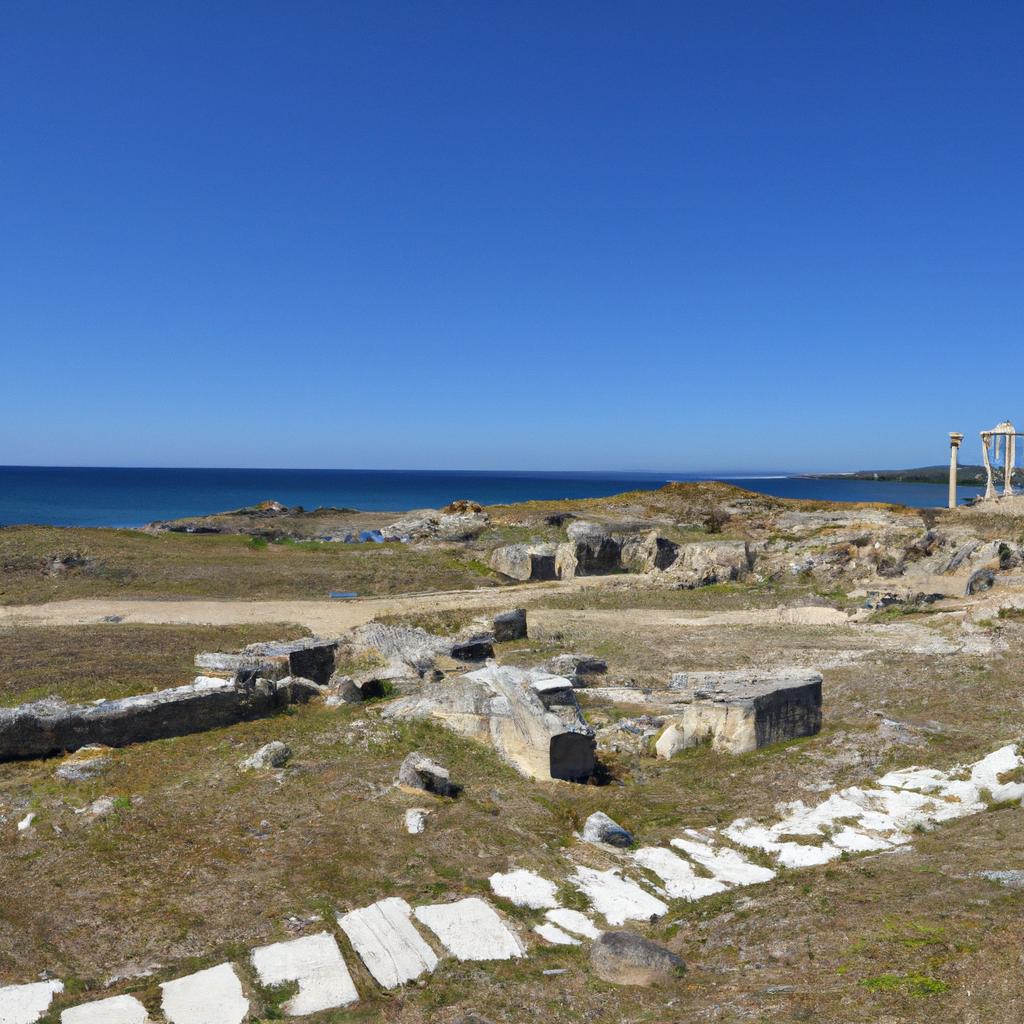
(419, 772)
(309, 657)
(272, 755)
(525, 561)
(623, 958)
(576, 667)
(703, 563)
(510, 625)
(461, 521)
(982, 579)
(599, 828)
(342, 689)
(646, 552)
(594, 548)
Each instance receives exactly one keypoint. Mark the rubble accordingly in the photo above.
(308, 658)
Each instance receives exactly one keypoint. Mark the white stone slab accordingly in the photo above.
(725, 864)
(553, 934)
(525, 889)
(25, 1004)
(116, 1010)
(681, 881)
(416, 820)
(618, 899)
(471, 930)
(213, 996)
(790, 855)
(316, 963)
(387, 942)
(985, 774)
(573, 921)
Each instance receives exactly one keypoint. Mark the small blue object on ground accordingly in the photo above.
(343, 594)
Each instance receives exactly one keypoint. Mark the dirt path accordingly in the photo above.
(328, 617)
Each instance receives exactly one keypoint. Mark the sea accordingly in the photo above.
(95, 496)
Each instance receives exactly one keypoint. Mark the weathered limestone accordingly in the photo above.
(419, 772)
(738, 712)
(573, 921)
(387, 942)
(459, 521)
(213, 996)
(316, 963)
(681, 880)
(525, 889)
(646, 552)
(471, 930)
(617, 898)
(25, 1004)
(530, 718)
(307, 658)
(599, 828)
(116, 1010)
(271, 755)
(52, 726)
(525, 561)
(595, 550)
(703, 563)
(623, 958)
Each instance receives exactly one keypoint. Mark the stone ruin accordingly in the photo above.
(999, 443)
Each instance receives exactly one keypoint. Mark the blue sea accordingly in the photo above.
(68, 496)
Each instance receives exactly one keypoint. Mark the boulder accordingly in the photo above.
(420, 773)
(623, 958)
(982, 579)
(510, 625)
(473, 648)
(525, 561)
(599, 828)
(51, 726)
(529, 717)
(739, 711)
(342, 689)
(646, 552)
(271, 755)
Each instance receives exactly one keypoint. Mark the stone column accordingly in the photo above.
(986, 444)
(1011, 451)
(954, 447)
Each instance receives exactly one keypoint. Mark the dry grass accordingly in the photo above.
(84, 663)
(128, 563)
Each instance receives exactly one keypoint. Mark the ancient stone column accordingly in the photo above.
(954, 446)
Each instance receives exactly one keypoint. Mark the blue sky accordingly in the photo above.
(664, 236)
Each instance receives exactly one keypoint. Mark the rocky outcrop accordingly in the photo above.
(52, 726)
(646, 552)
(530, 718)
(737, 712)
(594, 548)
(460, 521)
(526, 561)
(706, 562)
(579, 669)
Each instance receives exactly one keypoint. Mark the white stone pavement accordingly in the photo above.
(698, 864)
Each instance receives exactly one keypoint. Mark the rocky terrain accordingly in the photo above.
(693, 753)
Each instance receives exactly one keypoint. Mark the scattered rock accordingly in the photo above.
(272, 755)
(510, 625)
(623, 958)
(1011, 879)
(460, 521)
(307, 658)
(86, 763)
(26, 823)
(980, 580)
(419, 772)
(342, 689)
(416, 820)
(599, 828)
(576, 667)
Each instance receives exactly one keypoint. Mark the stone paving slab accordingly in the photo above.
(387, 942)
(25, 1004)
(681, 881)
(471, 930)
(525, 889)
(617, 898)
(316, 963)
(213, 996)
(116, 1010)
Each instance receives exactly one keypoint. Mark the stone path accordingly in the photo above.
(695, 864)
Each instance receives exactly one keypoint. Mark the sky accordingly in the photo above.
(655, 236)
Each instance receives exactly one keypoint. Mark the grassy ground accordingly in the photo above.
(84, 663)
(128, 563)
(200, 862)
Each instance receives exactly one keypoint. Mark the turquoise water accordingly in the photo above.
(63, 496)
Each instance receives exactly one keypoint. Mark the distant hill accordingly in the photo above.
(967, 476)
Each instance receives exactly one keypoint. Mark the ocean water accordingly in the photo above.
(63, 496)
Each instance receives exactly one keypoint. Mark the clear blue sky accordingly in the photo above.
(552, 235)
